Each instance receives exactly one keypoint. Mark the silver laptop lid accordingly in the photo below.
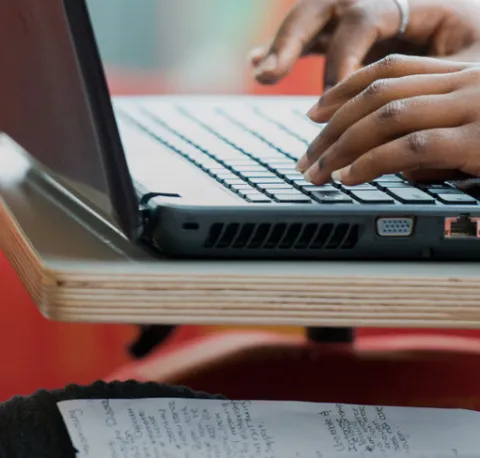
(54, 102)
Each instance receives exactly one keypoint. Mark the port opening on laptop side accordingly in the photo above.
(462, 227)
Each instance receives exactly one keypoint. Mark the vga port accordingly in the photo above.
(395, 227)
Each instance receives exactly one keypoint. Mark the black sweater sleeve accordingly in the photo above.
(32, 427)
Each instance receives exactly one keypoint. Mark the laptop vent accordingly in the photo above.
(282, 236)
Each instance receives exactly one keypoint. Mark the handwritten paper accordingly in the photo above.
(193, 428)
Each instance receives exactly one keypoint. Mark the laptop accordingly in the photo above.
(198, 176)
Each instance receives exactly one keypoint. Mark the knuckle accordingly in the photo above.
(418, 143)
(378, 87)
(322, 162)
(390, 61)
(356, 13)
(392, 111)
(390, 65)
(360, 15)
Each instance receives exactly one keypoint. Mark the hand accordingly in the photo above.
(356, 32)
(420, 116)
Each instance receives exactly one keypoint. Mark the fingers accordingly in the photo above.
(297, 32)
(392, 66)
(393, 120)
(375, 96)
(350, 44)
(434, 149)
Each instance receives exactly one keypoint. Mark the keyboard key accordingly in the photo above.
(267, 159)
(291, 191)
(249, 168)
(301, 183)
(253, 192)
(372, 197)
(286, 190)
(243, 187)
(234, 182)
(292, 198)
(279, 163)
(311, 187)
(296, 176)
(208, 163)
(389, 179)
(331, 197)
(411, 196)
(224, 175)
(284, 169)
(273, 180)
(263, 174)
(435, 186)
(258, 198)
(272, 187)
(390, 185)
(442, 190)
(213, 166)
(243, 163)
(360, 187)
(456, 199)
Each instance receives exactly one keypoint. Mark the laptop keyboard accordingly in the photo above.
(252, 151)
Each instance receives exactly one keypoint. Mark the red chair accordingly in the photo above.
(416, 369)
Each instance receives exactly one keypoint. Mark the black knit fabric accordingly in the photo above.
(32, 427)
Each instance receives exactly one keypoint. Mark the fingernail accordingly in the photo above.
(255, 53)
(312, 111)
(307, 176)
(302, 164)
(269, 64)
(339, 175)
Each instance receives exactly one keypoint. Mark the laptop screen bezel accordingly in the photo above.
(123, 197)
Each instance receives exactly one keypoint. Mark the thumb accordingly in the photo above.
(348, 48)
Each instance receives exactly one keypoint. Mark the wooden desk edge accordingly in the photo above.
(272, 300)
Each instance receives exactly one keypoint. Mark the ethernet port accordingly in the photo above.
(463, 226)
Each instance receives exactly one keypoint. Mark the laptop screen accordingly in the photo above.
(56, 106)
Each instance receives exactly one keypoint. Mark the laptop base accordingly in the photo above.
(308, 233)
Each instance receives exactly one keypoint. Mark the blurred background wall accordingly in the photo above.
(148, 46)
(157, 46)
